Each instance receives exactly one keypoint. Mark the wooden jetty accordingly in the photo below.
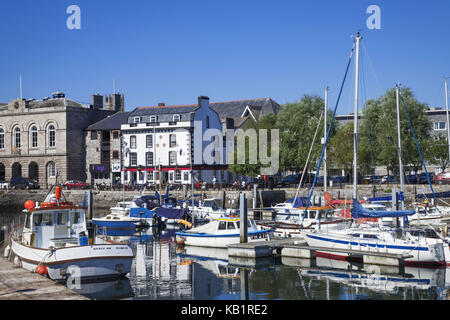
(19, 284)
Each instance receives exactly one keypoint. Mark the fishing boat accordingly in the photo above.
(54, 242)
(221, 232)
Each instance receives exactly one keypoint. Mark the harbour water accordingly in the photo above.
(163, 270)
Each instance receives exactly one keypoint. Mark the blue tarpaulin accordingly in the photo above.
(170, 213)
(358, 211)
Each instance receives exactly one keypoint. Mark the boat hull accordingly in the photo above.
(422, 255)
(131, 223)
(84, 262)
(219, 241)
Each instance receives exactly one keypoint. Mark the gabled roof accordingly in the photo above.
(112, 122)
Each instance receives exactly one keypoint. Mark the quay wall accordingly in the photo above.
(13, 200)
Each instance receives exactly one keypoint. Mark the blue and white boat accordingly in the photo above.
(220, 233)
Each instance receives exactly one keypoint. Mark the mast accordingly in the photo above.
(355, 121)
(400, 164)
(325, 182)
(446, 108)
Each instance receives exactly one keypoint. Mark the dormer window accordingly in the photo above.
(137, 119)
(176, 117)
(153, 119)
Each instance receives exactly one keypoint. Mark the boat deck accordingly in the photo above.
(19, 284)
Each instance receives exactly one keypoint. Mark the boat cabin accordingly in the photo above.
(57, 227)
(317, 213)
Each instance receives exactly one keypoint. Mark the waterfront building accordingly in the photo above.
(44, 139)
(160, 144)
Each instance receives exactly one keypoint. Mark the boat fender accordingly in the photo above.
(42, 270)
(7, 252)
(16, 261)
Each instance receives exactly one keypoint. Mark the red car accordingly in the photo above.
(443, 178)
(75, 184)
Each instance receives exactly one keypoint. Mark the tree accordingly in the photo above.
(297, 123)
(437, 149)
(381, 120)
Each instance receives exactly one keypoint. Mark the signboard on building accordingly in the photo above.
(115, 167)
(99, 168)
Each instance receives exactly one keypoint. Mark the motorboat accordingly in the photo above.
(429, 214)
(54, 241)
(220, 233)
(208, 209)
(122, 208)
(288, 205)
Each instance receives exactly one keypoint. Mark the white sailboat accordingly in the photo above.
(365, 237)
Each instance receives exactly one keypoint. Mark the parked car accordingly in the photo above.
(4, 185)
(75, 184)
(422, 178)
(443, 178)
(338, 179)
(387, 179)
(22, 183)
(411, 178)
(371, 179)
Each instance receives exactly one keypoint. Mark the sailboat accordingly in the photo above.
(367, 237)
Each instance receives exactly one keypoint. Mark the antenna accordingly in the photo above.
(20, 86)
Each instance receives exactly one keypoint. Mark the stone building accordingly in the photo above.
(103, 149)
(45, 139)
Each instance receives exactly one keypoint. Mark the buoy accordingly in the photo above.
(16, 260)
(42, 270)
(186, 223)
(29, 204)
(58, 192)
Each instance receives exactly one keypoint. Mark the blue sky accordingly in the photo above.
(174, 51)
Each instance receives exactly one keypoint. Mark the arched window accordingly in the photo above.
(2, 138)
(51, 136)
(51, 170)
(16, 137)
(34, 137)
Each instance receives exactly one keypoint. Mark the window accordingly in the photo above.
(115, 154)
(439, 126)
(51, 136)
(149, 159)
(172, 141)
(61, 218)
(230, 225)
(186, 176)
(133, 142)
(93, 135)
(115, 134)
(2, 139)
(153, 118)
(207, 122)
(133, 159)
(17, 137)
(176, 117)
(149, 141)
(51, 170)
(172, 158)
(222, 225)
(34, 137)
(75, 217)
(137, 119)
(177, 175)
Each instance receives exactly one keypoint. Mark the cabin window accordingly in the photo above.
(75, 217)
(238, 224)
(222, 225)
(27, 221)
(230, 225)
(61, 218)
(356, 235)
(44, 219)
(369, 236)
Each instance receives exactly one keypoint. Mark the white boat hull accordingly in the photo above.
(423, 254)
(91, 261)
(221, 241)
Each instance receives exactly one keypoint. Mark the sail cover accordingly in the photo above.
(299, 202)
(359, 211)
(169, 213)
(385, 198)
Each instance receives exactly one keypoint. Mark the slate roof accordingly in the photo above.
(227, 109)
(111, 122)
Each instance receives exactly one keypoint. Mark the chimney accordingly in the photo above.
(203, 101)
(97, 101)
